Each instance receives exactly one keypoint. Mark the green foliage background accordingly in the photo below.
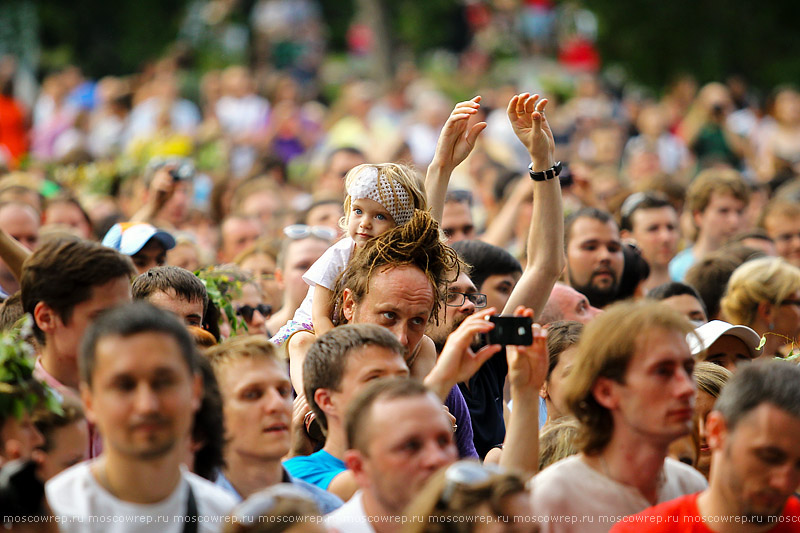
(654, 40)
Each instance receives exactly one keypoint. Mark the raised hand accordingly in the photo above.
(457, 138)
(458, 362)
(526, 114)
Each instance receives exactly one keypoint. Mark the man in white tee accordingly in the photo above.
(140, 387)
(633, 392)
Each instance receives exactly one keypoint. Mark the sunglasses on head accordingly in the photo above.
(301, 231)
(266, 501)
(246, 311)
(467, 475)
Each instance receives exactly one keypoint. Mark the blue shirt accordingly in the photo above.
(326, 501)
(319, 468)
(681, 263)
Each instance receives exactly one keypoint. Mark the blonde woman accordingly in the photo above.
(764, 294)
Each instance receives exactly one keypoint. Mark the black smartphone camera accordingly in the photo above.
(510, 330)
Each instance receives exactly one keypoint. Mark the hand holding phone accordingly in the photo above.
(510, 330)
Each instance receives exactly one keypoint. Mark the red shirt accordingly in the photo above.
(681, 515)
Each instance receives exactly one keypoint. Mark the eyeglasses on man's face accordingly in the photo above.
(457, 299)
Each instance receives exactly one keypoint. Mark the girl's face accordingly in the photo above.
(367, 219)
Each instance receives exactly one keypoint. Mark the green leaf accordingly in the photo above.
(762, 342)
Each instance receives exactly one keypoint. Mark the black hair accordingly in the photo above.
(485, 260)
(675, 288)
(186, 285)
(772, 382)
(585, 212)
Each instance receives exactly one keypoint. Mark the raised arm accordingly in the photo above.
(527, 369)
(12, 253)
(545, 253)
(455, 143)
(161, 189)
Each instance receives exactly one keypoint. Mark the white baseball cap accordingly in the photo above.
(709, 333)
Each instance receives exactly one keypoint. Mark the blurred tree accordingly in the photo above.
(710, 38)
(106, 37)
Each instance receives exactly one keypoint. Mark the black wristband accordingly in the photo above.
(545, 175)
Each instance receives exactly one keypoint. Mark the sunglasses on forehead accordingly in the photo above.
(266, 501)
(466, 475)
(301, 231)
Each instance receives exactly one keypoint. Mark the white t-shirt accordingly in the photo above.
(570, 496)
(324, 272)
(82, 505)
(350, 517)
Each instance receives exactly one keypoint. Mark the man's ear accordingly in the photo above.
(88, 405)
(45, 317)
(697, 218)
(325, 403)
(716, 430)
(356, 462)
(348, 304)
(604, 391)
(625, 234)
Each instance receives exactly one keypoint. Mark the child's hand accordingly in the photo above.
(526, 114)
(457, 140)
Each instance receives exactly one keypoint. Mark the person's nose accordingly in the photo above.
(400, 331)
(258, 319)
(603, 255)
(784, 478)
(468, 307)
(146, 399)
(435, 456)
(275, 402)
(685, 386)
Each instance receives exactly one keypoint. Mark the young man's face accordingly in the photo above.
(189, 311)
(364, 365)
(594, 258)
(785, 231)
(655, 402)
(65, 337)
(450, 317)
(728, 352)
(757, 465)
(143, 395)
(19, 438)
(723, 217)
(656, 232)
(497, 289)
(300, 255)
(399, 299)
(409, 440)
(457, 224)
(257, 405)
(687, 305)
(151, 255)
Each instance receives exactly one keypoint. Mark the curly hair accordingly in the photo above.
(416, 243)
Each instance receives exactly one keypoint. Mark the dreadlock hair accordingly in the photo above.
(416, 243)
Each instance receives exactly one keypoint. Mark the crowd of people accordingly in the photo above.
(255, 312)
